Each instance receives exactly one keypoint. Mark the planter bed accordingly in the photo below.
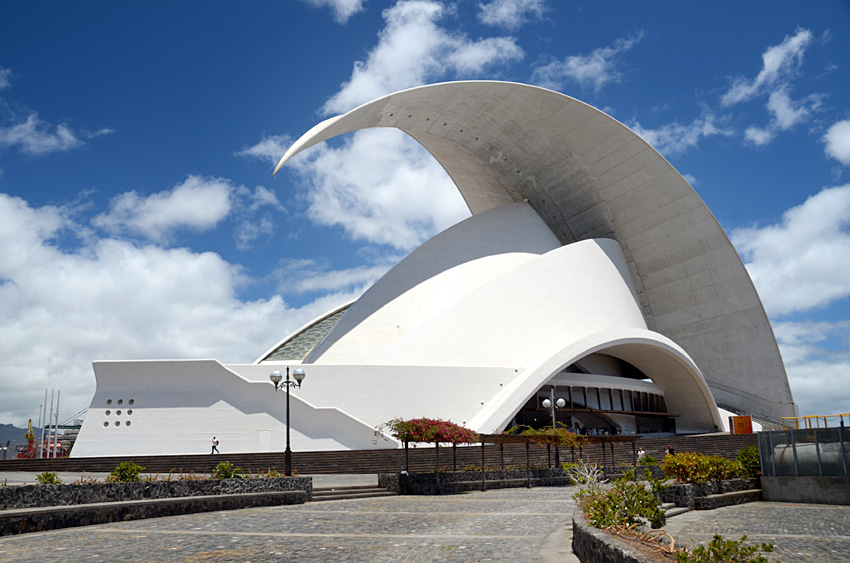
(35, 496)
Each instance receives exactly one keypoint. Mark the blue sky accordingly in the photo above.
(139, 218)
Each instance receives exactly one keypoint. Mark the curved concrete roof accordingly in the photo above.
(589, 176)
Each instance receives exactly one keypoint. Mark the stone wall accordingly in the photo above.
(684, 494)
(592, 545)
(31, 496)
(21, 521)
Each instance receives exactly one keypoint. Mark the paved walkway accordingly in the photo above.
(516, 525)
(815, 533)
(511, 525)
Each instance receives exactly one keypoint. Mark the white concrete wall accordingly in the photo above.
(433, 278)
(178, 406)
(502, 309)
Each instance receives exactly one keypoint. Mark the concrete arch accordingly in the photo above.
(588, 176)
(667, 364)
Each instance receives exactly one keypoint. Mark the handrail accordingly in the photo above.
(794, 421)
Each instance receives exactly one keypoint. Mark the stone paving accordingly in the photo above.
(814, 533)
(519, 525)
(504, 525)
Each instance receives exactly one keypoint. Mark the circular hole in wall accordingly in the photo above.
(120, 401)
(129, 412)
(105, 423)
(117, 423)
(127, 423)
(108, 412)
(117, 413)
(108, 401)
(131, 401)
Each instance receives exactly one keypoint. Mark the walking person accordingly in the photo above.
(214, 446)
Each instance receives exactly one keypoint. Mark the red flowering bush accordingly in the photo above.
(430, 430)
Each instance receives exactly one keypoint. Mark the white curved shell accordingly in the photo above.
(588, 176)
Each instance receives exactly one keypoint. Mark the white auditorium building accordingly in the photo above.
(589, 267)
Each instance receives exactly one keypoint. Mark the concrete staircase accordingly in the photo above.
(670, 509)
(349, 492)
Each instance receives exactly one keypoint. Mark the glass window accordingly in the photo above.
(605, 399)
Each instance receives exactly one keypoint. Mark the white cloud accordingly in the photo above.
(690, 178)
(269, 149)
(510, 14)
(380, 186)
(676, 138)
(307, 276)
(197, 204)
(780, 62)
(5, 78)
(759, 136)
(597, 69)
(814, 365)
(797, 264)
(342, 9)
(252, 223)
(785, 113)
(35, 137)
(837, 140)
(412, 50)
(111, 299)
(474, 56)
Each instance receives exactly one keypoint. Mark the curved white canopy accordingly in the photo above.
(589, 176)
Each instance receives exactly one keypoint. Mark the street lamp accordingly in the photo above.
(279, 383)
(553, 404)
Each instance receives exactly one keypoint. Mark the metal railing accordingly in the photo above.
(808, 452)
(814, 421)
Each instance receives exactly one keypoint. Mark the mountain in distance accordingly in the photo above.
(15, 436)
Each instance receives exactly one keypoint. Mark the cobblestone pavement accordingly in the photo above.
(800, 533)
(504, 525)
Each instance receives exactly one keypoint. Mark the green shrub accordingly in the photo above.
(226, 470)
(692, 467)
(622, 504)
(48, 478)
(719, 550)
(126, 472)
(647, 460)
(748, 457)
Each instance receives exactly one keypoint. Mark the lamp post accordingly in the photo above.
(554, 405)
(279, 383)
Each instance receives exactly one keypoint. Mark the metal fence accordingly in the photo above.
(815, 452)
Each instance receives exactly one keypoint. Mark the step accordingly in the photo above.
(667, 505)
(676, 511)
(342, 493)
(346, 488)
(711, 502)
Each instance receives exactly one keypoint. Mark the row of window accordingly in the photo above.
(606, 399)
